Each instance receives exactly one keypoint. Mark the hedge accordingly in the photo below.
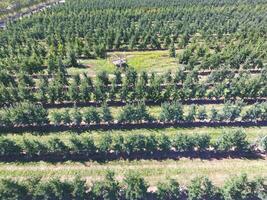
(143, 144)
(29, 114)
(132, 187)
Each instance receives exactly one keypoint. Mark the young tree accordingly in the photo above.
(73, 92)
(191, 113)
(106, 114)
(135, 187)
(172, 50)
(12, 189)
(234, 140)
(201, 188)
(107, 189)
(202, 113)
(71, 59)
(76, 117)
(214, 115)
(240, 187)
(169, 190)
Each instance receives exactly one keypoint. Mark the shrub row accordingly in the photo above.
(179, 86)
(29, 114)
(132, 187)
(233, 141)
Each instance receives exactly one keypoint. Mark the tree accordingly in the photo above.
(163, 142)
(172, 49)
(104, 144)
(42, 92)
(108, 189)
(73, 92)
(13, 190)
(240, 187)
(91, 115)
(8, 147)
(71, 59)
(56, 118)
(57, 146)
(135, 187)
(118, 78)
(100, 51)
(79, 189)
(191, 113)
(76, 117)
(202, 113)
(171, 112)
(234, 140)
(53, 189)
(214, 114)
(106, 114)
(169, 190)
(231, 111)
(201, 188)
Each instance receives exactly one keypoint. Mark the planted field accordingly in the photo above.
(134, 100)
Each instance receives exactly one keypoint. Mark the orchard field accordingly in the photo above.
(182, 116)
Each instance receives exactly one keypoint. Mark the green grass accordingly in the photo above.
(153, 171)
(150, 61)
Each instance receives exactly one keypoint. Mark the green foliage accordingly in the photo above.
(91, 116)
(241, 188)
(13, 190)
(172, 49)
(134, 113)
(201, 188)
(171, 112)
(202, 114)
(106, 114)
(169, 190)
(107, 189)
(25, 114)
(233, 140)
(8, 147)
(135, 187)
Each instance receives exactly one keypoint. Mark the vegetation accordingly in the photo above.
(126, 26)
(132, 187)
(30, 114)
(127, 145)
(205, 50)
(157, 88)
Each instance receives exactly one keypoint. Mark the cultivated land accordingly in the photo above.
(179, 36)
(182, 169)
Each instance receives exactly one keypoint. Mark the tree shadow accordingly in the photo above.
(103, 158)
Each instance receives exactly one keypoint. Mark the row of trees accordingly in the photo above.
(179, 86)
(29, 114)
(132, 187)
(232, 141)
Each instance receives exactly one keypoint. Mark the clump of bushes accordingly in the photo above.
(233, 141)
(132, 187)
(29, 114)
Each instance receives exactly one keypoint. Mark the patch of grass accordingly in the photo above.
(150, 61)
(93, 66)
